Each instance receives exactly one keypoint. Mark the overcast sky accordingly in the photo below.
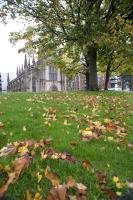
(9, 56)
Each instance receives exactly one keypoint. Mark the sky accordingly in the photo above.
(9, 56)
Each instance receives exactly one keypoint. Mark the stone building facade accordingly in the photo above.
(39, 77)
(0, 83)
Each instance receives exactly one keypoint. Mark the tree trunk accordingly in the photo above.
(91, 58)
(107, 75)
(87, 80)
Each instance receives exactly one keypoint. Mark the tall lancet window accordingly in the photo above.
(52, 73)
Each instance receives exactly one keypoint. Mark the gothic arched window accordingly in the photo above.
(52, 73)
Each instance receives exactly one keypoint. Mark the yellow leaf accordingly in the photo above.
(86, 133)
(23, 150)
(118, 193)
(38, 196)
(39, 177)
(28, 195)
(116, 179)
(66, 123)
(110, 138)
(24, 128)
(119, 185)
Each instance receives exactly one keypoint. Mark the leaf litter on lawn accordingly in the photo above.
(25, 151)
(96, 130)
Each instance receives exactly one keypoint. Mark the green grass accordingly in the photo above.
(27, 109)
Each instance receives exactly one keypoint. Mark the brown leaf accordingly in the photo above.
(73, 142)
(101, 177)
(69, 157)
(1, 113)
(30, 143)
(70, 182)
(130, 146)
(4, 188)
(111, 126)
(52, 177)
(86, 164)
(82, 189)
(89, 137)
(110, 193)
(7, 150)
(48, 141)
(58, 193)
(54, 111)
(19, 164)
(1, 124)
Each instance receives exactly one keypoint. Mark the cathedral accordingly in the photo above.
(40, 77)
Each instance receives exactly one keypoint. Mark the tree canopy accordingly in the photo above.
(69, 31)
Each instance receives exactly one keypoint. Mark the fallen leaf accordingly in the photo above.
(23, 150)
(1, 124)
(86, 164)
(1, 113)
(52, 177)
(110, 193)
(119, 193)
(101, 177)
(86, 133)
(24, 128)
(82, 189)
(73, 142)
(28, 195)
(130, 184)
(110, 138)
(130, 146)
(70, 182)
(58, 193)
(39, 177)
(10, 149)
(38, 196)
(66, 123)
(116, 179)
(19, 164)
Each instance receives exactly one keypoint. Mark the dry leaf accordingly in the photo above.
(86, 164)
(23, 150)
(1, 124)
(10, 149)
(82, 189)
(58, 193)
(73, 142)
(70, 182)
(101, 177)
(110, 193)
(28, 195)
(52, 177)
(19, 164)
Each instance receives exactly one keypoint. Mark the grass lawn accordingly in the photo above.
(95, 128)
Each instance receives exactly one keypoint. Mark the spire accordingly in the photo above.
(17, 71)
(8, 78)
(25, 62)
(29, 63)
(33, 61)
(22, 68)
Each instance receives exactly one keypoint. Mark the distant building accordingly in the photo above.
(0, 83)
(117, 83)
(4, 79)
(39, 77)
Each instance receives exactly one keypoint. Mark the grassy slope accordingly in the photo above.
(104, 155)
